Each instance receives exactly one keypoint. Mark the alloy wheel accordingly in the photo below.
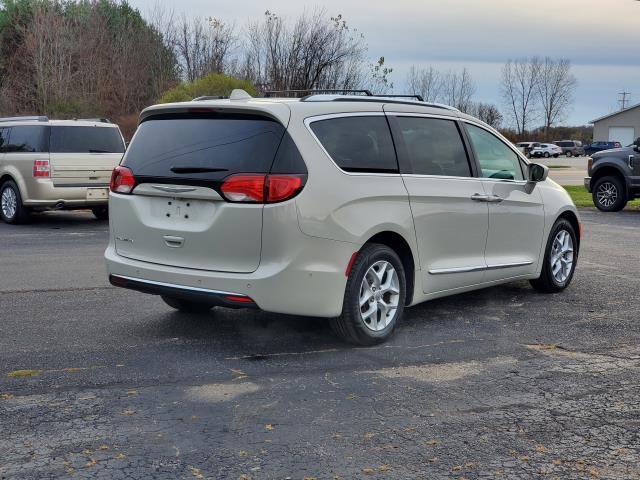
(562, 256)
(379, 296)
(607, 194)
(9, 203)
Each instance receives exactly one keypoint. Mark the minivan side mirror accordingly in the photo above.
(537, 173)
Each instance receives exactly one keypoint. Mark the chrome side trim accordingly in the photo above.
(497, 266)
(179, 287)
(443, 271)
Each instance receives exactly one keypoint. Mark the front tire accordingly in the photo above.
(186, 306)
(374, 297)
(569, 154)
(11, 208)
(609, 194)
(546, 155)
(560, 258)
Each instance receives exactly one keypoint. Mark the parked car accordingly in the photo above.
(56, 164)
(526, 147)
(345, 207)
(600, 146)
(614, 177)
(571, 148)
(546, 150)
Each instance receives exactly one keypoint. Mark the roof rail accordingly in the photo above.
(409, 96)
(27, 118)
(308, 92)
(379, 99)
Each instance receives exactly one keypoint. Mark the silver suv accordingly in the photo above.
(339, 206)
(56, 164)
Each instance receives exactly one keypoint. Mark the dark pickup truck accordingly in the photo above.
(614, 177)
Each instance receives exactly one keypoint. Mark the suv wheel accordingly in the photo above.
(546, 155)
(101, 213)
(609, 195)
(560, 259)
(569, 153)
(186, 306)
(374, 297)
(11, 208)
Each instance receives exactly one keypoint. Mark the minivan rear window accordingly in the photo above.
(86, 140)
(205, 146)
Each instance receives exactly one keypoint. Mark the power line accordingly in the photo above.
(624, 100)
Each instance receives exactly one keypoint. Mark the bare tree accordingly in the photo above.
(519, 85)
(488, 113)
(203, 46)
(314, 52)
(555, 90)
(458, 89)
(426, 82)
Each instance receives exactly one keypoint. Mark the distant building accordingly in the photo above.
(622, 126)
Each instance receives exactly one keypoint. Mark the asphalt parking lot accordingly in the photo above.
(97, 382)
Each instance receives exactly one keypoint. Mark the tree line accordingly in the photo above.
(75, 58)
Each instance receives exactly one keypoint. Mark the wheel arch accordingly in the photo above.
(606, 170)
(572, 218)
(398, 244)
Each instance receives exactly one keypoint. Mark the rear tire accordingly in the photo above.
(569, 154)
(101, 213)
(186, 306)
(11, 208)
(562, 248)
(609, 194)
(374, 297)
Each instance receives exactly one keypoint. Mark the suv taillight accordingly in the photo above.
(41, 168)
(262, 188)
(122, 180)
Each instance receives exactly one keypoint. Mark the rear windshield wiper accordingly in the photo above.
(196, 170)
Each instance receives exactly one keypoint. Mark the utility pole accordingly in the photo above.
(624, 99)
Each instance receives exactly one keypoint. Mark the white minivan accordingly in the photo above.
(339, 206)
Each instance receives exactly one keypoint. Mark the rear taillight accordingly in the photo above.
(41, 168)
(257, 188)
(122, 180)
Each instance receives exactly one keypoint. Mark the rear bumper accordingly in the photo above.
(587, 184)
(308, 280)
(213, 297)
(43, 193)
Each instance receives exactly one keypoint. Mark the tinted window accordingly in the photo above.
(495, 158)
(288, 158)
(358, 144)
(564, 144)
(434, 147)
(186, 145)
(86, 140)
(27, 138)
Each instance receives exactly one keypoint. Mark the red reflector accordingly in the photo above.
(41, 168)
(350, 264)
(237, 298)
(282, 187)
(122, 180)
(244, 188)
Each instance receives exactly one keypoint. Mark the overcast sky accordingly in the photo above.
(600, 37)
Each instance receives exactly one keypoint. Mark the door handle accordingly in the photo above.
(173, 242)
(477, 197)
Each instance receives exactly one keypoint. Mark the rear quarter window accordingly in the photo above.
(205, 146)
(27, 139)
(358, 144)
(70, 139)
